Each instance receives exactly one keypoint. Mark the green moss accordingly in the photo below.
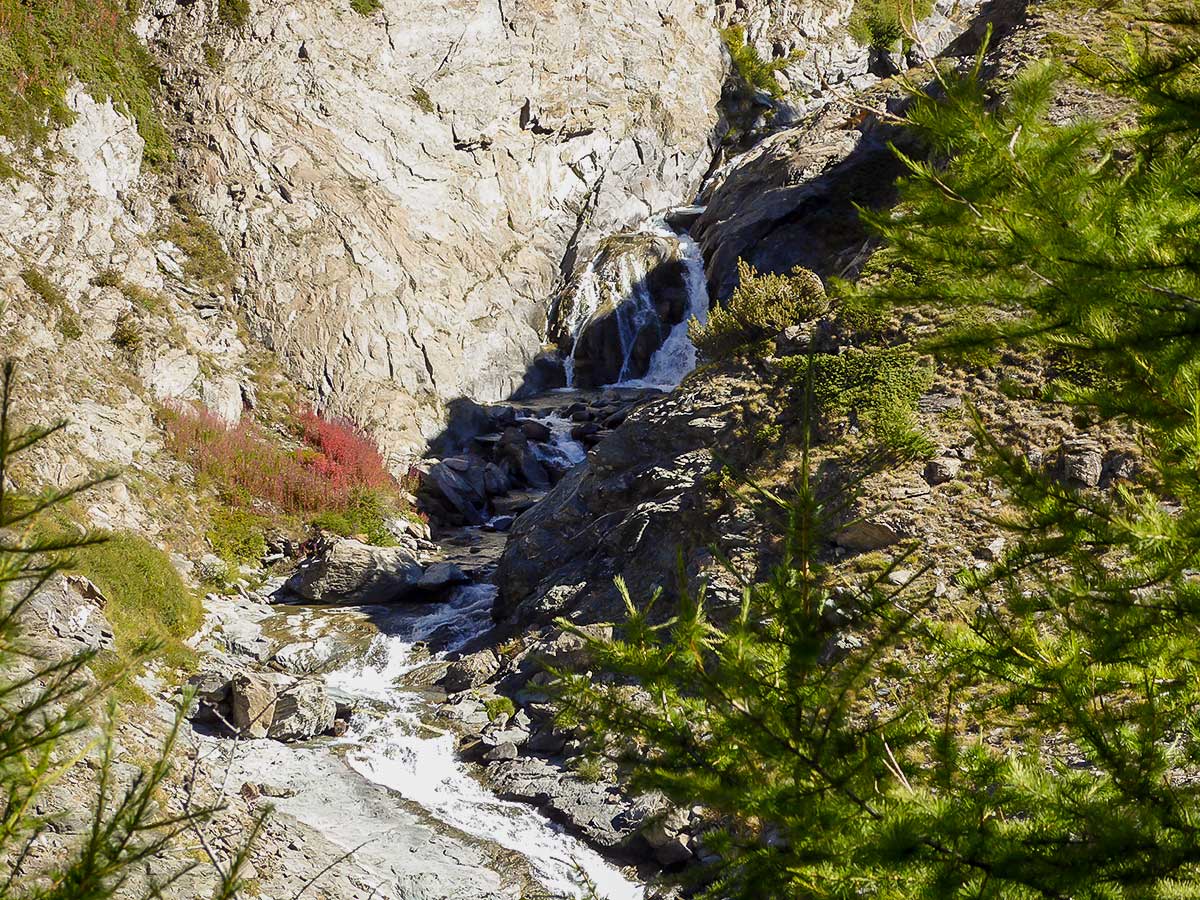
(212, 57)
(46, 45)
(207, 262)
(751, 70)
(421, 97)
(236, 535)
(498, 706)
(365, 7)
(68, 321)
(234, 14)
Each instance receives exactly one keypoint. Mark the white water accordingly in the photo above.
(635, 311)
(396, 750)
(562, 450)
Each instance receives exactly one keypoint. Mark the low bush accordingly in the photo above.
(46, 45)
(234, 13)
(236, 535)
(365, 7)
(498, 706)
(128, 333)
(877, 386)
(761, 307)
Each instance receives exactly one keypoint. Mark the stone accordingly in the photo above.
(534, 430)
(864, 535)
(506, 750)
(440, 576)
(470, 671)
(301, 712)
(993, 550)
(251, 705)
(673, 852)
(1081, 462)
(942, 469)
(349, 571)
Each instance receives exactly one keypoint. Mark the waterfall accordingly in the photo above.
(677, 355)
(635, 311)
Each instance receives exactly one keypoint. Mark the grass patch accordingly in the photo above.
(46, 45)
(68, 323)
(233, 14)
(365, 7)
(127, 334)
(207, 262)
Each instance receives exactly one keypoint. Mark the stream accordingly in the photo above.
(393, 788)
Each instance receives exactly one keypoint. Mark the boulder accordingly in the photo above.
(349, 571)
(535, 430)
(470, 671)
(302, 711)
(1081, 462)
(251, 705)
(942, 469)
(863, 535)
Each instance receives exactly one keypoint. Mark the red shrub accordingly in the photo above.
(248, 464)
(344, 455)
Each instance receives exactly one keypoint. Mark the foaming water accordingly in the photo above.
(392, 747)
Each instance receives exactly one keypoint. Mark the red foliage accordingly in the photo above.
(251, 465)
(344, 455)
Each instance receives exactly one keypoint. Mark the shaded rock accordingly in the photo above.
(1081, 462)
(534, 430)
(349, 571)
(503, 751)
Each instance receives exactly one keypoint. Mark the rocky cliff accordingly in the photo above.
(403, 190)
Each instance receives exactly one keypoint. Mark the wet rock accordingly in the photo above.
(470, 671)
(440, 576)
(503, 751)
(306, 657)
(251, 705)
(349, 571)
(534, 430)
(301, 712)
(500, 523)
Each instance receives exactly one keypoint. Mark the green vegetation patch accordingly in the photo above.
(882, 24)
(366, 514)
(751, 70)
(236, 535)
(365, 7)
(878, 386)
(147, 600)
(207, 262)
(761, 307)
(234, 14)
(46, 45)
(68, 320)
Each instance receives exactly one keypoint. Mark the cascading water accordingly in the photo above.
(635, 310)
(392, 747)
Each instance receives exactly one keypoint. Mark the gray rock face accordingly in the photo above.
(470, 671)
(68, 610)
(349, 571)
(406, 189)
